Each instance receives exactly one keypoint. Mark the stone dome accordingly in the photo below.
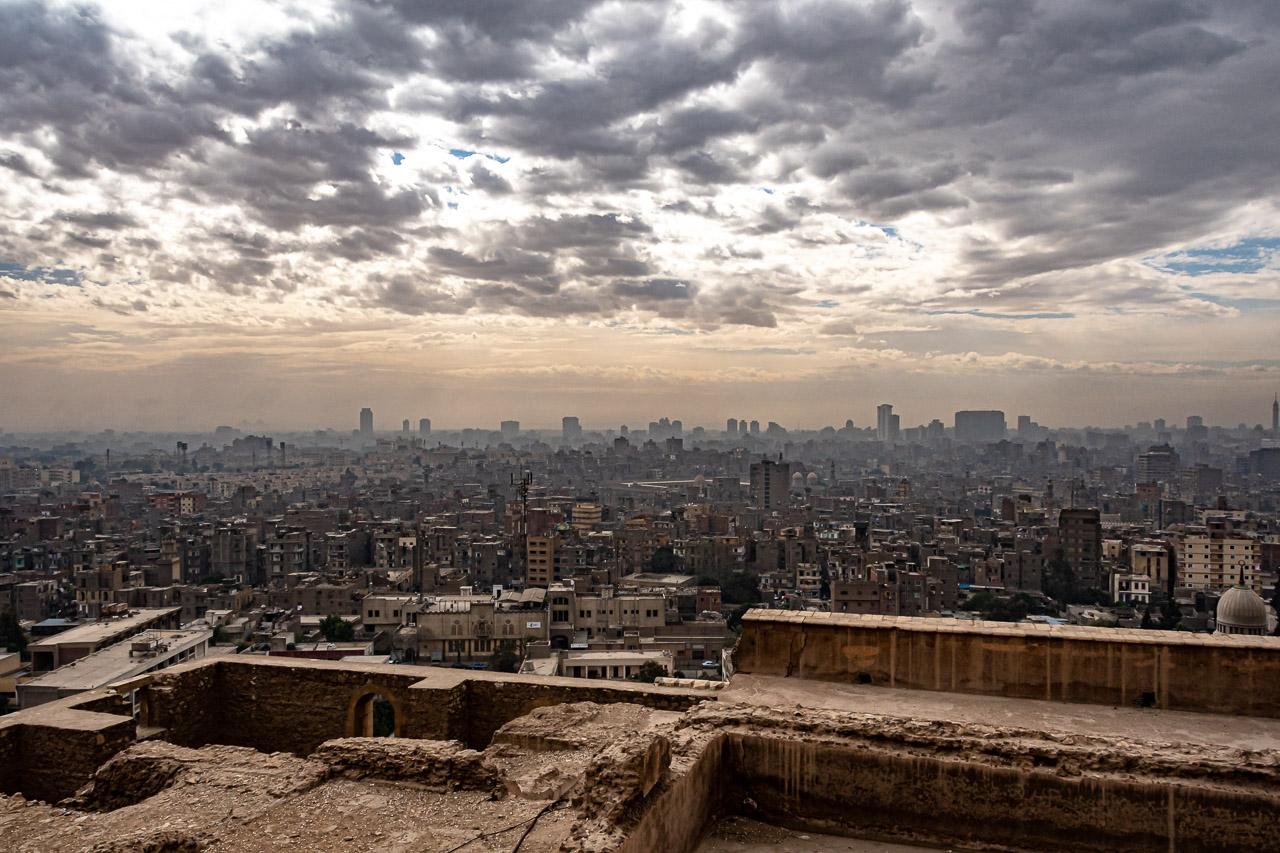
(1241, 611)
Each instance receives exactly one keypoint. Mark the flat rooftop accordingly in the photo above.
(95, 632)
(117, 662)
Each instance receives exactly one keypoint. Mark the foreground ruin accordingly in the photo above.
(241, 754)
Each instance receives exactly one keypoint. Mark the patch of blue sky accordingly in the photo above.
(47, 275)
(453, 205)
(1245, 304)
(1244, 257)
(827, 303)
(464, 153)
(397, 158)
(766, 190)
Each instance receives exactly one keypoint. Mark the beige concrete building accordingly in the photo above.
(1219, 560)
(142, 653)
(470, 628)
(61, 649)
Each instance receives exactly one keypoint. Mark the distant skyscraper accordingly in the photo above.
(510, 429)
(884, 422)
(366, 421)
(404, 426)
(988, 425)
(731, 426)
(1194, 421)
(755, 427)
(742, 426)
(1158, 465)
(424, 426)
(570, 429)
(1275, 416)
(770, 484)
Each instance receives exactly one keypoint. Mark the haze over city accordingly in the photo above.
(271, 214)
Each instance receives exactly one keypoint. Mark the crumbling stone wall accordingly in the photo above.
(295, 708)
(1164, 669)
(947, 784)
(50, 761)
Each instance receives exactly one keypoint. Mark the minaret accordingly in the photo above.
(1275, 417)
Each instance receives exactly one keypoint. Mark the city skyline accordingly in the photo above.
(268, 211)
(395, 423)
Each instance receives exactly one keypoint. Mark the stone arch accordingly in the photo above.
(360, 711)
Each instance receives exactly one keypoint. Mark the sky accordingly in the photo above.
(274, 213)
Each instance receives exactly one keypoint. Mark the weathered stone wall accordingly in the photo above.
(49, 762)
(677, 816)
(890, 794)
(1166, 669)
(294, 706)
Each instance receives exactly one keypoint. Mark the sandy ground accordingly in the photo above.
(1129, 723)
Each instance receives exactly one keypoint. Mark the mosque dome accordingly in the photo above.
(811, 478)
(1241, 611)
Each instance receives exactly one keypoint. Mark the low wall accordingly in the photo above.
(295, 705)
(49, 755)
(897, 795)
(1165, 669)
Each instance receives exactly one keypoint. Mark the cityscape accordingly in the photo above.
(639, 426)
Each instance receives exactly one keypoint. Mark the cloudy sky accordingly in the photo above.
(273, 213)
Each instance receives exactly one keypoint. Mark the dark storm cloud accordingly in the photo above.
(1068, 135)
(104, 220)
(486, 181)
(18, 163)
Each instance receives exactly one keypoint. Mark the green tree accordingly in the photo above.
(741, 588)
(336, 629)
(12, 637)
(663, 560)
(505, 658)
(649, 672)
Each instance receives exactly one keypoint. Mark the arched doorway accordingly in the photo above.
(374, 714)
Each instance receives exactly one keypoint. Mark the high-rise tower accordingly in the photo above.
(366, 421)
(1275, 416)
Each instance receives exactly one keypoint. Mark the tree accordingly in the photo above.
(336, 629)
(650, 672)
(12, 637)
(505, 658)
(741, 588)
(663, 560)
(735, 618)
(1146, 619)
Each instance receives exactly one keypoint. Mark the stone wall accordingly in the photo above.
(49, 760)
(676, 818)
(1165, 669)
(294, 706)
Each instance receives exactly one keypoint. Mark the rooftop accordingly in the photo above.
(95, 632)
(117, 661)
